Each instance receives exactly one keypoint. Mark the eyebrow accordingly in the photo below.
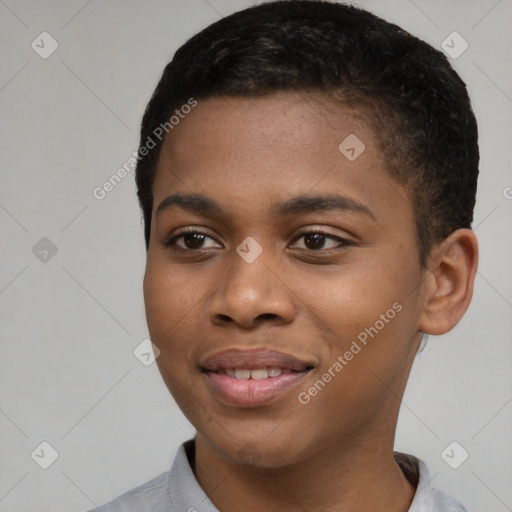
(320, 203)
(303, 204)
(194, 203)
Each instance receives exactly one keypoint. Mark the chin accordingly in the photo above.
(260, 452)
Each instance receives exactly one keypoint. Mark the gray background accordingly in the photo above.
(69, 325)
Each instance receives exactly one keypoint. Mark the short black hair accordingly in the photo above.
(417, 105)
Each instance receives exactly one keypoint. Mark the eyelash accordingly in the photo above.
(343, 242)
(186, 231)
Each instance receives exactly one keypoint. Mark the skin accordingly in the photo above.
(336, 452)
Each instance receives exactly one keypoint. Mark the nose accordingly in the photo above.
(251, 294)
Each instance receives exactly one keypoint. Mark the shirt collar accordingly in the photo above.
(185, 493)
(416, 472)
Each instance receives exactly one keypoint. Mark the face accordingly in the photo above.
(283, 284)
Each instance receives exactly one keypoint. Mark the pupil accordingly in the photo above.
(315, 241)
(193, 240)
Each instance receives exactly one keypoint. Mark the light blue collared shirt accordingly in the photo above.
(178, 490)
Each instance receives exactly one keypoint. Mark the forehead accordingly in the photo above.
(263, 149)
(273, 128)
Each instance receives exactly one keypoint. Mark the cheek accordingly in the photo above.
(171, 300)
(170, 291)
(171, 311)
(365, 368)
(368, 316)
(351, 297)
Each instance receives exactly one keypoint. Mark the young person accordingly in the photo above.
(307, 174)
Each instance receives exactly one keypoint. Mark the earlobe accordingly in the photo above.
(448, 285)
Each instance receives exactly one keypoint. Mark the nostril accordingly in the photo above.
(266, 316)
(249, 322)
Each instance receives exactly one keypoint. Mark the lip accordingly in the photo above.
(252, 359)
(252, 392)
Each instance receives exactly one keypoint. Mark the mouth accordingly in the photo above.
(255, 374)
(251, 378)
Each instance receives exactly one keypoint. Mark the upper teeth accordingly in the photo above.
(257, 373)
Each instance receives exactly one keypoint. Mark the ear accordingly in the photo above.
(448, 285)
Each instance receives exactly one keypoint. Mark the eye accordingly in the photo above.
(318, 240)
(191, 240)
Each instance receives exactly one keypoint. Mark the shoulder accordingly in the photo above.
(153, 495)
(444, 503)
(173, 491)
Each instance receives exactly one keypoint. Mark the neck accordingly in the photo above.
(346, 476)
(352, 472)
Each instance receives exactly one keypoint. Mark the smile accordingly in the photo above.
(252, 378)
(249, 391)
(256, 374)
